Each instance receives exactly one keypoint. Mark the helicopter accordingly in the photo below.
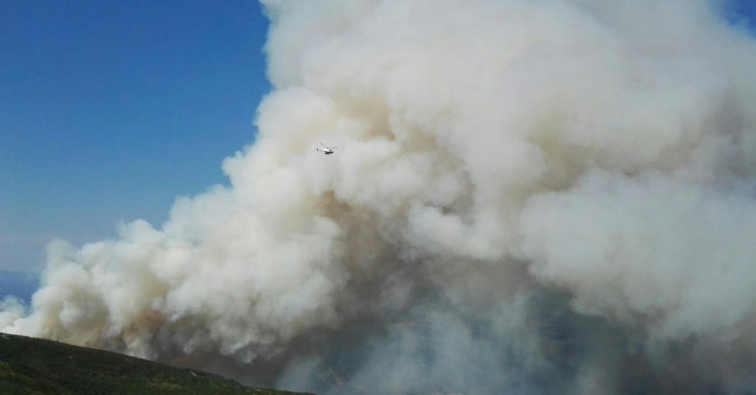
(328, 150)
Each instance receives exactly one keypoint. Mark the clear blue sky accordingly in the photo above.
(111, 109)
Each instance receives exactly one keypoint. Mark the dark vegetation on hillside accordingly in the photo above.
(36, 366)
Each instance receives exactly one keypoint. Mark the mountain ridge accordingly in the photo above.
(40, 367)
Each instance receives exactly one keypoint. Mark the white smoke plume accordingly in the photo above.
(529, 196)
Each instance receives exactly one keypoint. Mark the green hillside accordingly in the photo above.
(37, 366)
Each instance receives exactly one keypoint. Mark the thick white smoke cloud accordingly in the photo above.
(528, 196)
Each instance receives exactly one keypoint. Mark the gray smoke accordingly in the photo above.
(529, 196)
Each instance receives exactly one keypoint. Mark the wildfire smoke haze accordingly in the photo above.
(551, 196)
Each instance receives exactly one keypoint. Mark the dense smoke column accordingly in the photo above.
(552, 196)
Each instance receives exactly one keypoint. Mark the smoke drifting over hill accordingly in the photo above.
(550, 196)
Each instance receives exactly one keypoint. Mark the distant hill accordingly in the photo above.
(19, 284)
(40, 367)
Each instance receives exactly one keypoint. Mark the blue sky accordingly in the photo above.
(743, 11)
(110, 109)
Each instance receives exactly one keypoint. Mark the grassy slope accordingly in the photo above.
(36, 366)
